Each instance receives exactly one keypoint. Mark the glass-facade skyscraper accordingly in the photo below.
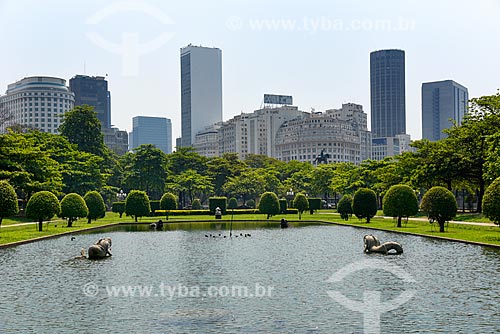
(442, 101)
(201, 90)
(152, 130)
(94, 92)
(387, 90)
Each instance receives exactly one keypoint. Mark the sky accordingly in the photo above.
(316, 51)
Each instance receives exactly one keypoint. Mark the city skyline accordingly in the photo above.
(321, 59)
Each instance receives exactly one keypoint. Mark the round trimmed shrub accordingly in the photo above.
(269, 204)
(137, 204)
(196, 205)
(168, 202)
(400, 201)
(8, 201)
(491, 202)
(73, 207)
(233, 203)
(344, 207)
(440, 205)
(95, 204)
(250, 203)
(43, 205)
(118, 207)
(364, 204)
(300, 203)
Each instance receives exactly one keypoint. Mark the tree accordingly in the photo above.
(232, 204)
(321, 178)
(73, 207)
(168, 202)
(145, 169)
(364, 204)
(400, 201)
(269, 204)
(192, 183)
(82, 127)
(440, 205)
(220, 169)
(300, 203)
(491, 202)
(43, 205)
(118, 207)
(137, 204)
(95, 204)
(247, 185)
(8, 201)
(344, 207)
(185, 158)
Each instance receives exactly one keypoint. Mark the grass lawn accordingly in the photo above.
(484, 234)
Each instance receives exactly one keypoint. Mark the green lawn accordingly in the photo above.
(484, 234)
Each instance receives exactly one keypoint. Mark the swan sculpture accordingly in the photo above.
(372, 245)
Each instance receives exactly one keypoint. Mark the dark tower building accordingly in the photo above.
(94, 92)
(387, 90)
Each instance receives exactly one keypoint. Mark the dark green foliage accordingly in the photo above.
(196, 205)
(364, 204)
(82, 127)
(283, 205)
(43, 205)
(118, 207)
(491, 202)
(155, 205)
(314, 204)
(251, 203)
(95, 204)
(8, 201)
(137, 204)
(168, 202)
(233, 203)
(269, 204)
(344, 207)
(440, 205)
(400, 201)
(73, 206)
(214, 202)
(300, 203)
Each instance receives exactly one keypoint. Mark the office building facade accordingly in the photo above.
(387, 93)
(442, 103)
(152, 130)
(37, 102)
(94, 92)
(201, 90)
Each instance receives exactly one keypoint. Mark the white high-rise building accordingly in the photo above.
(38, 102)
(201, 90)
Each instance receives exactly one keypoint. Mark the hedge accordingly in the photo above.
(155, 205)
(314, 204)
(214, 202)
(207, 212)
(283, 205)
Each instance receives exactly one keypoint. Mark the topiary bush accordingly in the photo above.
(364, 204)
(250, 203)
(214, 202)
(300, 203)
(118, 207)
(155, 205)
(95, 204)
(269, 204)
(8, 201)
(168, 202)
(283, 205)
(344, 207)
(196, 205)
(73, 206)
(233, 203)
(440, 205)
(491, 202)
(43, 205)
(137, 204)
(314, 204)
(400, 201)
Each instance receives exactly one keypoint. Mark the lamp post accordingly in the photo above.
(289, 196)
(121, 195)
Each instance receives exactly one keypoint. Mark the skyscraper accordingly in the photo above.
(152, 130)
(94, 92)
(37, 102)
(442, 101)
(387, 90)
(201, 90)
